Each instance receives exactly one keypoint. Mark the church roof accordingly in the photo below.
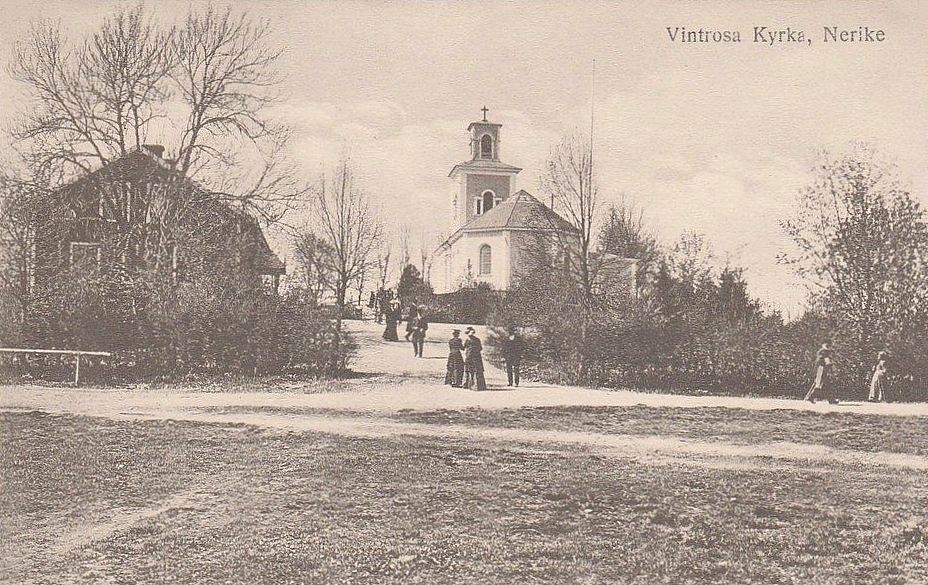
(484, 165)
(520, 212)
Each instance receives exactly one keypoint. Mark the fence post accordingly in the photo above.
(77, 369)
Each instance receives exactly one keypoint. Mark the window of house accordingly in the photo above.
(486, 259)
(84, 253)
(486, 146)
(479, 210)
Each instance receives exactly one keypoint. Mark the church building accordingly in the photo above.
(493, 225)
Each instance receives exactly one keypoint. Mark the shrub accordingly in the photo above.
(222, 323)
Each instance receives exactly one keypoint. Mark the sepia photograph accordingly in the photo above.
(463, 292)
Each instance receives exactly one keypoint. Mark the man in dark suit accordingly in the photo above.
(418, 334)
(513, 349)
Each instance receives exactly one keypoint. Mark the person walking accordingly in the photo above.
(411, 321)
(418, 334)
(454, 374)
(513, 348)
(473, 361)
(375, 307)
(878, 381)
(824, 375)
(392, 317)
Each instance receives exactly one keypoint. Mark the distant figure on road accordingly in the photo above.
(473, 361)
(824, 383)
(454, 375)
(878, 381)
(418, 333)
(411, 320)
(374, 306)
(392, 317)
(513, 348)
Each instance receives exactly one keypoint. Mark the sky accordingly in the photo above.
(716, 138)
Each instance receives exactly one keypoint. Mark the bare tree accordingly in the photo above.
(344, 219)
(224, 69)
(95, 101)
(211, 78)
(405, 248)
(313, 264)
(383, 264)
(570, 184)
(17, 233)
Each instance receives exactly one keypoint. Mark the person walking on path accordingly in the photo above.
(513, 348)
(878, 381)
(418, 334)
(411, 321)
(473, 361)
(454, 374)
(824, 375)
(392, 316)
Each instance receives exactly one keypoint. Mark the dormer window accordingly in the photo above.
(486, 146)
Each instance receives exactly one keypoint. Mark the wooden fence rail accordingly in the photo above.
(76, 353)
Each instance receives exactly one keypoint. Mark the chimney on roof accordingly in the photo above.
(155, 149)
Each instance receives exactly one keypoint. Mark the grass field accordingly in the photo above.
(87, 500)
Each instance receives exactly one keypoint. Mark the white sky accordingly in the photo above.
(716, 138)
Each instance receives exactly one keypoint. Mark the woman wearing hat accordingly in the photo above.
(473, 361)
(454, 376)
(878, 381)
(393, 315)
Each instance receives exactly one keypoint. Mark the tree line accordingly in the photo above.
(861, 247)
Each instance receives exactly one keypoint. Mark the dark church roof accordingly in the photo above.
(520, 212)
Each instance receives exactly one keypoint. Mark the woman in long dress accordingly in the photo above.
(878, 381)
(824, 375)
(392, 317)
(454, 375)
(473, 361)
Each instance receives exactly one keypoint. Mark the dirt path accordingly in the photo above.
(398, 380)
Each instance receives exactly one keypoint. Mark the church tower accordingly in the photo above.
(484, 181)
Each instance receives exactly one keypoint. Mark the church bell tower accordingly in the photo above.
(484, 181)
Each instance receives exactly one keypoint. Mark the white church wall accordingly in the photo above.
(468, 249)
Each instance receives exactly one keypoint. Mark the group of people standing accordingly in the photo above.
(465, 360)
(824, 385)
(417, 324)
(383, 302)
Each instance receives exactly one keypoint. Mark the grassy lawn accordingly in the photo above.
(95, 501)
(841, 430)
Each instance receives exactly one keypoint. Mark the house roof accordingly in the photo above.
(266, 260)
(521, 211)
(484, 165)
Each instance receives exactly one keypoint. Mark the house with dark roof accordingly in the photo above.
(138, 213)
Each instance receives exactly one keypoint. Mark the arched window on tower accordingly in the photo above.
(486, 260)
(489, 200)
(486, 146)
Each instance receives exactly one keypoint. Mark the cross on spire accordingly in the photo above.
(484, 109)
